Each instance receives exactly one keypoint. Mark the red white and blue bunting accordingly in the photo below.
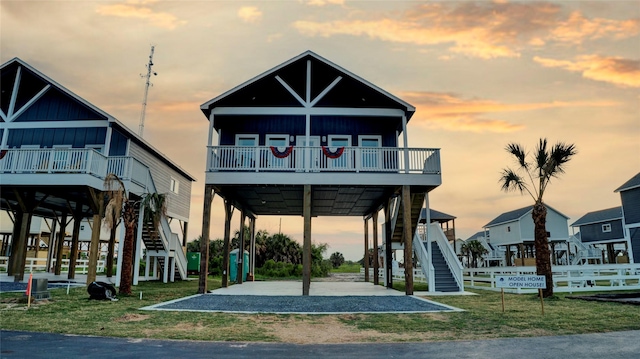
(333, 155)
(284, 154)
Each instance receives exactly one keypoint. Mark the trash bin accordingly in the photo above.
(233, 265)
(193, 262)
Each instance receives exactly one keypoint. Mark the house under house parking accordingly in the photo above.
(309, 138)
(56, 150)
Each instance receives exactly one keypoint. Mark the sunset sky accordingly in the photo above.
(480, 74)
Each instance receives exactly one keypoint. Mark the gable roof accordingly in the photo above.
(100, 114)
(435, 216)
(478, 234)
(324, 73)
(515, 215)
(634, 182)
(602, 215)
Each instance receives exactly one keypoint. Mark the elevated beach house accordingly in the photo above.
(630, 197)
(513, 232)
(310, 138)
(56, 150)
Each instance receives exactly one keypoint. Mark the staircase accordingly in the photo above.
(397, 229)
(585, 253)
(444, 280)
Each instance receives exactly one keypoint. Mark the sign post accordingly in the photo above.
(522, 281)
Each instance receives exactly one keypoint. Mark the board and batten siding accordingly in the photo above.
(592, 232)
(178, 205)
(631, 205)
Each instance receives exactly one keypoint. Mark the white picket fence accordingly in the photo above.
(566, 279)
(40, 265)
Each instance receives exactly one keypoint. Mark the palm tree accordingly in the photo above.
(118, 204)
(476, 250)
(533, 178)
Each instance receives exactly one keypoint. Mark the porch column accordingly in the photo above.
(408, 245)
(204, 240)
(376, 256)
(111, 248)
(184, 236)
(18, 257)
(240, 257)
(60, 243)
(252, 247)
(405, 143)
(366, 250)
(228, 213)
(97, 198)
(120, 252)
(306, 246)
(387, 244)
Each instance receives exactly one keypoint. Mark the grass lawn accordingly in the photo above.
(482, 318)
(347, 268)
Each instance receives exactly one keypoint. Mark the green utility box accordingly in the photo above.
(233, 265)
(193, 262)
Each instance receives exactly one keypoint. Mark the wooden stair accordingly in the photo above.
(417, 201)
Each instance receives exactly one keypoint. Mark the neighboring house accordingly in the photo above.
(630, 197)
(514, 232)
(57, 149)
(447, 224)
(495, 255)
(604, 227)
(309, 138)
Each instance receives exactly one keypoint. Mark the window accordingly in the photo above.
(335, 143)
(245, 157)
(606, 228)
(174, 185)
(370, 151)
(508, 229)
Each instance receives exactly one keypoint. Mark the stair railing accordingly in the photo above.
(423, 256)
(437, 235)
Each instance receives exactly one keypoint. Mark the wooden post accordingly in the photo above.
(376, 255)
(204, 240)
(15, 241)
(228, 213)
(111, 249)
(408, 244)
(306, 246)
(97, 204)
(252, 247)
(366, 250)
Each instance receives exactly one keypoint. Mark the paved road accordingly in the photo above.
(619, 345)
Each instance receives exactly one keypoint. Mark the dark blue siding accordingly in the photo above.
(295, 125)
(635, 244)
(118, 146)
(593, 232)
(48, 137)
(631, 205)
(57, 106)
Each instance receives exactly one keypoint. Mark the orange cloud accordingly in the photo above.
(250, 14)
(135, 9)
(324, 2)
(576, 28)
(451, 112)
(484, 30)
(616, 70)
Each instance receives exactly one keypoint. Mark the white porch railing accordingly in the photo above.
(566, 279)
(70, 160)
(323, 159)
(40, 265)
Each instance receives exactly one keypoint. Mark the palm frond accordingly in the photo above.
(541, 156)
(519, 153)
(511, 181)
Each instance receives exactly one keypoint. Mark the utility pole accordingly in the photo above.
(146, 90)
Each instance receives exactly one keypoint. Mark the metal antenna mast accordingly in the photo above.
(146, 90)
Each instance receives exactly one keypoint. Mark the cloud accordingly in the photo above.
(576, 29)
(324, 2)
(250, 14)
(451, 112)
(136, 9)
(476, 29)
(616, 70)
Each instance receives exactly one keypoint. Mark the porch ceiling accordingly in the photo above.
(51, 201)
(325, 200)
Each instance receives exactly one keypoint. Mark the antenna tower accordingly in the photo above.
(146, 90)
